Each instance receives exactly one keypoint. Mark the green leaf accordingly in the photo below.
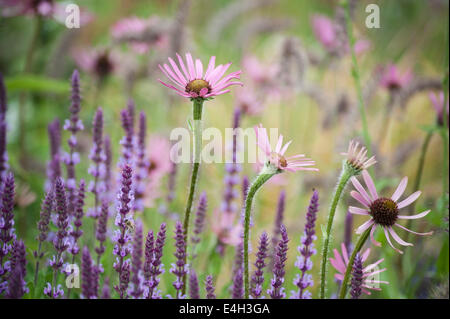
(442, 264)
(36, 83)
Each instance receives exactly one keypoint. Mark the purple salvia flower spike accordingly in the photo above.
(127, 141)
(237, 291)
(122, 235)
(278, 220)
(97, 168)
(179, 269)
(54, 164)
(209, 287)
(142, 164)
(306, 250)
(16, 282)
(156, 268)
(199, 221)
(78, 219)
(7, 232)
(357, 277)
(136, 262)
(105, 291)
(86, 274)
(277, 291)
(101, 230)
(257, 279)
(348, 231)
(108, 167)
(193, 285)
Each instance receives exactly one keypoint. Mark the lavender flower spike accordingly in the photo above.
(127, 141)
(200, 215)
(193, 285)
(278, 219)
(16, 282)
(306, 250)
(357, 277)
(87, 273)
(258, 276)
(142, 164)
(6, 225)
(78, 221)
(101, 230)
(122, 235)
(136, 262)
(277, 291)
(73, 125)
(209, 287)
(60, 242)
(108, 167)
(54, 165)
(238, 271)
(97, 168)
(179, 269)
(153, 267)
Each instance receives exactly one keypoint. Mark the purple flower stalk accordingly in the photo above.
(277, 291)
(258, 276)
(78, 220)
(238, 271)
(60, 241)
(357, 277)
(209, 287)
(127, 141)
(108, 167)
(306, 250)
(73, 125)
(101, 230)
(348, 231)
(43, 227)
(97, 169)
(105, 291)
(278, 219)
(122, 235)
(54, 164)
(136, 262)
(152, 266)
(193, 285)
(199, 221)
(180, 268)
(142, 163)
(16, 281)
(7, 232)
(87, 274)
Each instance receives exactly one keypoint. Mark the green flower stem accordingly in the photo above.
(263, 177)
(362, 239)
(426, 143)
(356, 78)
(197, 128)
(343, 180)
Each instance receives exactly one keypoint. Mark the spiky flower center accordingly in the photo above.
(384, 211)
(278, 160)
(197, 85)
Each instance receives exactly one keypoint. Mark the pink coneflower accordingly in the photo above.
(357, 157)
(261, 74)
(276, 157)
(193, 83)
(141, 33)
(393, 80)
(438, 104)
(340, 263)
(384, 212)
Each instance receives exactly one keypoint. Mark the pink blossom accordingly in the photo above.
(192, 82)
(392, 79)
(383, 212)
(325, 32)
(438, 104)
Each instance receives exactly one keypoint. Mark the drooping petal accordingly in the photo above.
(411, 198)
(389, 241)
(409, 230)
(372, 239)
(397, 238)
(423, 214)
(364, 226)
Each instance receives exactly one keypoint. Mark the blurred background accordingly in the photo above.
(297, 77)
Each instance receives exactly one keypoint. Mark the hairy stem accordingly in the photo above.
(343, 180)
(197, 116)
(256, 185)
